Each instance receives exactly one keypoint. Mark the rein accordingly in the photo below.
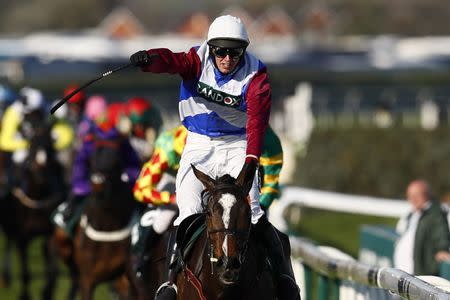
(195, 282)
(20, 195)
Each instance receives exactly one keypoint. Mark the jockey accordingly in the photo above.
(225, 101)
(142, 121)
(20, 118)
(95, 108)
(155, 187)
(101, 129)
(166, 159)
(19, 121)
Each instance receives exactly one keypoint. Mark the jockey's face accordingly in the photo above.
(227, 59)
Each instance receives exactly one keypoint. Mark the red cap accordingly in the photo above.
(79, 97)
(138, 105)
(115, 109)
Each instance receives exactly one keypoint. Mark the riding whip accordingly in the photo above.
(67, 97)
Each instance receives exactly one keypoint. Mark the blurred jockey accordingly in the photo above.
(19, 122)
(142, 121)
(95, 107)
(165, 160)
(101, 129)
(77, 104)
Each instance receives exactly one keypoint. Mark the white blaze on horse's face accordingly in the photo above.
(227, 201)
(41, 157)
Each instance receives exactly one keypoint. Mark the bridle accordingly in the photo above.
(237, 233)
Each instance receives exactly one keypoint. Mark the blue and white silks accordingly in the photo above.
(214, 104)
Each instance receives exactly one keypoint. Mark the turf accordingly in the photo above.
(339, 230)
(37, 270)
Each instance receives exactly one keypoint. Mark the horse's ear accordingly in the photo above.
(246, 176)
(207, 181)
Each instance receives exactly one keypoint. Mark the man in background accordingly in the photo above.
(424, 238)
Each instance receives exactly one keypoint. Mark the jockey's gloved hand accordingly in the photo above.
(251, 164)
(140, 58)
(249, 169)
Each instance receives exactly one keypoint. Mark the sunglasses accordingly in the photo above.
(234, 53)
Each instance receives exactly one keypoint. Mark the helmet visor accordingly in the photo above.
(234, 53)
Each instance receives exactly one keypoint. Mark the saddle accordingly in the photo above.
(70, 224)
(188, 233)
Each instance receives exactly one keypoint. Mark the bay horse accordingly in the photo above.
(101, 246)
(25, 210)
(227, 261)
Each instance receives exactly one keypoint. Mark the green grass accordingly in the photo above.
(37, 270)
(339, 230)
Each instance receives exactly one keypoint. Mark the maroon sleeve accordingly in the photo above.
(259, 98)
(165, 61)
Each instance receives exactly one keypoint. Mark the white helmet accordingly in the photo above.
(32, 99)
(227, 32)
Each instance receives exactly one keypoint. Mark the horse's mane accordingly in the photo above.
(226, 179)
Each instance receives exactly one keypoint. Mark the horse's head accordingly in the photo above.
(107, 169)
(228, 221)
(40, 163)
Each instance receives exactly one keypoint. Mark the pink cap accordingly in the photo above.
(95, 107)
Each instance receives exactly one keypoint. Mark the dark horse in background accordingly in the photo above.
(101, 245)
(26, 207)
(227, 261)
(145, 282)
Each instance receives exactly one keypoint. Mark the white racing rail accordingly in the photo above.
(361, 205)
(397, 282)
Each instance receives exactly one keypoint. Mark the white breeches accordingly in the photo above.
(215, 157)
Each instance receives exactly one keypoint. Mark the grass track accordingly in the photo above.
(37, 270)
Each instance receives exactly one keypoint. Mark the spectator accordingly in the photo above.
(424, 238)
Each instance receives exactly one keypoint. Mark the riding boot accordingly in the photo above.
(142, 251)
(71, 206)
(286, 286)
(168, 290)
